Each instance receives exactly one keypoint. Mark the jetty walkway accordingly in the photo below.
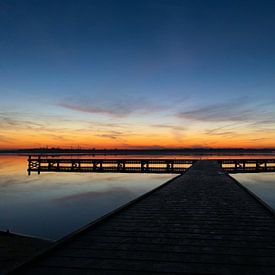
(202, 222)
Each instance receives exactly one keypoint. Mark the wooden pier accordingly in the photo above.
(40, 164)
(247, 165)
(202, 222)
(173, 166)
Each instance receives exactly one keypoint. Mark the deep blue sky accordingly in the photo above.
(146, 65)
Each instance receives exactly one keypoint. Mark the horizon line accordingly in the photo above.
(135, 149)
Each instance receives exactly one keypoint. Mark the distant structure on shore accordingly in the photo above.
(168, 151)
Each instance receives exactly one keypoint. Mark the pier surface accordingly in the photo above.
(16, 249)
(202, 222)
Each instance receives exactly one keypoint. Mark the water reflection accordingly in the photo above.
(263, 185)
(53, 205)
(165, 156)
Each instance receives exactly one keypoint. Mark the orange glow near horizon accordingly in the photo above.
(147, 139)
(73, 130)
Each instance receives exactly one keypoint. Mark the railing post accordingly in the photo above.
(119, 166)
(257, 165)
(142, 163)
(39, 164)
(94, 165)
(29, 165)
(172, 166)
(147, 166)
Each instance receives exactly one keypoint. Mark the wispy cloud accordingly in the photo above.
(115, 106)
(226, 130)
(260, 139)
(238, 110)
(112, 135)
(23, 123)
(169, 126)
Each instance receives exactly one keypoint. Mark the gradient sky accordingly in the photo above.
(134, 74)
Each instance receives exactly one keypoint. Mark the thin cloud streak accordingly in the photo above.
(111, 135)
(239, 110)
(117, 106)
(169, 126)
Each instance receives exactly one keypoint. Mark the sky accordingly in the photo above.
(137, 74)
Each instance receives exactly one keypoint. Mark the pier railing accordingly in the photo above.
(248, 165)
(39, 164)
(174, 166)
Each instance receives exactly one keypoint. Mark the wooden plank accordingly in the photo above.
(119, 241)
(16, 249)
(194, 248)
(151, 267)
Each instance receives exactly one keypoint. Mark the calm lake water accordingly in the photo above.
(52, 205)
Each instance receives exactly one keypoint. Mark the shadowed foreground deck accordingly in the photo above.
(201, 222)
(16, 249)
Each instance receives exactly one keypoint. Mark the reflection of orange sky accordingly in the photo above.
(146, 139)
(10, 165)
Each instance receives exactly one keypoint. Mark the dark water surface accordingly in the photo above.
(51, 205)
(262, 184)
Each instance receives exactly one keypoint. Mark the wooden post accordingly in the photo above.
(142, 163)
(39, 164)
(29, 165)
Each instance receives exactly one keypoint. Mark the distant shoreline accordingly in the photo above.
(193, 151)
